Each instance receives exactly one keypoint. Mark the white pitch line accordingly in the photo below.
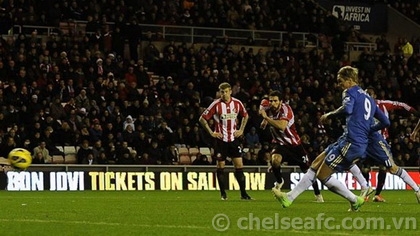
(164, 226)
(103, 223)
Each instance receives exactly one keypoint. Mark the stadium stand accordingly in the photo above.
(174, 80)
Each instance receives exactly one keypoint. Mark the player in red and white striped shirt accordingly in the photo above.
(225, 112)
(385, 106)
(286, 141)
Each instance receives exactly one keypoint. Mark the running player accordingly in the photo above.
(360, 110)
(286, 142)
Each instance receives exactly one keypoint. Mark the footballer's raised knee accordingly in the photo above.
(394, 169)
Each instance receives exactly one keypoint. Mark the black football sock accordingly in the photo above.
(277, 173)
(381, 181)
(316, 188)
(240, 177)
(366, 175)
(221, 180)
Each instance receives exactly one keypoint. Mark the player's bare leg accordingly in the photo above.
(276, 160)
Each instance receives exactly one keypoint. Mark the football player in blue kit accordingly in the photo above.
(380, 151)
(360, 110)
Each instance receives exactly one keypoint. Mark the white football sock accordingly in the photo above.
(407, 179)
(355, 170)
(337, 187)
(306, 181)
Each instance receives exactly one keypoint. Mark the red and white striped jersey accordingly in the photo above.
(387, 105)
(289, 136)
(225, 115)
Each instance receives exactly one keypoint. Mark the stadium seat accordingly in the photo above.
(67, 28)
(211, 155)
(60, 148)
(193, 158)
(208, 152)
(178, 145)
(70, 159)
(70, 155)
(193, 151)
(57, 159)
(183, 151)
(205, 151)
(69, 150)
(184, 160)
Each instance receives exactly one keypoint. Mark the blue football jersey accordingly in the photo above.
(360, 110)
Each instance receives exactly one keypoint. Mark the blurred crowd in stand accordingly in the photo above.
(78, 89)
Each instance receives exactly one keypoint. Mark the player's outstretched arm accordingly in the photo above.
(415, 131)
(330, 114)
(278, 124)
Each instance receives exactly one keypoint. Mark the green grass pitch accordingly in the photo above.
(193, 213)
